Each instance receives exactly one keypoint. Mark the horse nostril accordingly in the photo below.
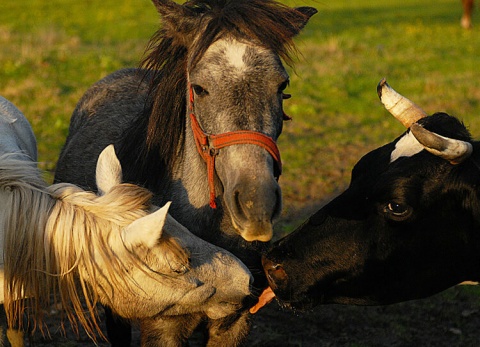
(278, 204)
(275, 273)
(237, 202)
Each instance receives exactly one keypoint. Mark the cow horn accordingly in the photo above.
(453, 150)
(399, 106)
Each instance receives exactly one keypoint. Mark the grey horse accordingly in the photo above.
(198, 125)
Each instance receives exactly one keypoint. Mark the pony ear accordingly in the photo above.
(109, 170)
(306, 13)
(168, 7)
(146, 230)
(176, 18)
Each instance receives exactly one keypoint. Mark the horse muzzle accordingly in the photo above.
(254, 203)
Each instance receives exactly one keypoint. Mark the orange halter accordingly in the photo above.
(208, 145)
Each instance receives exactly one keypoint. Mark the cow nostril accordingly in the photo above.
(267, 263)
(275, 273)
(278, 273)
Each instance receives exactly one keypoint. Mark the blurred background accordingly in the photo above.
(52, 51)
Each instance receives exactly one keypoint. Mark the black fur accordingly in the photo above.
(358, 250)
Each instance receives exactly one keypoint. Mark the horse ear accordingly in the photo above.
(168, 7)
(146, 230)
(176, 18)
(109, 170)
(306, 13)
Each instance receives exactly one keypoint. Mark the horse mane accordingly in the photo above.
(174, 50)
(49, 251)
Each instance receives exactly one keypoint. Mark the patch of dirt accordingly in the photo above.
(451, 318)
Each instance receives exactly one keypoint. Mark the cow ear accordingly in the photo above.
(109, 170)
(147, 230)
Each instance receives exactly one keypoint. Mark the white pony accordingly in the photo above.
(64, 245)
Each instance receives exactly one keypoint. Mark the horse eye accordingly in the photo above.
(283, 86)
(180, 269)
(199, 90)
(397, 211)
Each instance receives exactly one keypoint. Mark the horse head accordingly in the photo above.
(169, 270)
(233, 88)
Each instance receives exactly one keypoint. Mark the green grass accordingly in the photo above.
(52, 51)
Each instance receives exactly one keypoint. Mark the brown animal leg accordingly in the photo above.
(15, 337)
(229, 331)
(467, 14)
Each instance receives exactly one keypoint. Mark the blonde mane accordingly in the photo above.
(52, 236)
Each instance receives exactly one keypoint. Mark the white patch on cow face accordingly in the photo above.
(407, 146)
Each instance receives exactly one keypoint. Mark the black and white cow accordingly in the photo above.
(408, 226)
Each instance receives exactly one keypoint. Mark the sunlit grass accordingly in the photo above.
(52, 51)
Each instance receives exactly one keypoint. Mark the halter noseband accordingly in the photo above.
(208, 146)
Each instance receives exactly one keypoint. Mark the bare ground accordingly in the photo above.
(451, 318)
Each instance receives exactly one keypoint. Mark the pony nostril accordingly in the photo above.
(244, 203)
(238, 204)
(278, 204)
(251, 281)
(253, 208)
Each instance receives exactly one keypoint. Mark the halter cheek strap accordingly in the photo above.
(209, 145)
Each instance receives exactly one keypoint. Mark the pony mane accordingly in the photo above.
(50, 251)
(174, 50)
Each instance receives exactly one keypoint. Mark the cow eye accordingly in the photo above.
(397, 211)
(200, 91)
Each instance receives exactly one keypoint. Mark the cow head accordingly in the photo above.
(407, 226)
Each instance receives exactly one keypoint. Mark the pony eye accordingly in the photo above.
(179, 268)
(199, 90)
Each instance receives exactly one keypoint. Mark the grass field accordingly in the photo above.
(52, 51)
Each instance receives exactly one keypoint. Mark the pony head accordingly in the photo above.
(179, 272)
(114, 248)
(227, 54)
